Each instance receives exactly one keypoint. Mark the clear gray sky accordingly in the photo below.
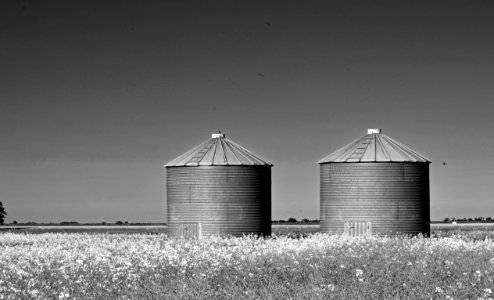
(95, 96)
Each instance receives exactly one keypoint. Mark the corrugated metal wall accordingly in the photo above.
(393, 196)
(233, 200)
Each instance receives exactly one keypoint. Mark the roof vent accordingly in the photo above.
(373, 131)
(217, 135)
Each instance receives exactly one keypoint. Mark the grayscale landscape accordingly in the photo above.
(246, 149)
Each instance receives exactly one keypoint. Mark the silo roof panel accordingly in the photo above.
(208, 158)
(218, 150)
(374, 147)
(246, 157)
(219, 157)
(341, 154)
(370, 153)
(236, 155)
(186, 157)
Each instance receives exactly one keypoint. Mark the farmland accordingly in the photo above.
(278, 229)
(321, 266)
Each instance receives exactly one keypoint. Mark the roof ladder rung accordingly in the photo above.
(200, 155)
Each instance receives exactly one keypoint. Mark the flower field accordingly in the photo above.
(320, 266)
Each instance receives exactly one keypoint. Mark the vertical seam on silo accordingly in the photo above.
(214, 153)
(330, 171)
(386, 154)
(375, 150)
(224, 155)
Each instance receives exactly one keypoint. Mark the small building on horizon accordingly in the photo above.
(375, 185)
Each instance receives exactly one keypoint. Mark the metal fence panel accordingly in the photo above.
(357, 228)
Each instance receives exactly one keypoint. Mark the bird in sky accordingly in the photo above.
(444, 163)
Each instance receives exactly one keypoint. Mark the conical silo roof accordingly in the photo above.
(374, 147)
(218, 150)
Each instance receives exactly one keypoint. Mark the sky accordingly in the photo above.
(96, 96)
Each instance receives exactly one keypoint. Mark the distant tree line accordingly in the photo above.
(469, 220)
(74, 223)
(293, 220)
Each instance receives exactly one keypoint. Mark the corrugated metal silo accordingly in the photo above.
(221, 185)
(378, 182)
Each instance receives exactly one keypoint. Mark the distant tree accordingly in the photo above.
(489, 219)
(15, 222)
(3, 213)
(119, 222)
(446, 220)
(68, 223)
(292, 220)
(103, 223)
(305, 221)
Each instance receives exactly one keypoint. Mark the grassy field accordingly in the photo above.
(144, 266)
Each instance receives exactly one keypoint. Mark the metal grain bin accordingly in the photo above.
(375, 180)
(222, 186)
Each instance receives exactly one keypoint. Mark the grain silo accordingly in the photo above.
(375, 185)
(219, 187)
